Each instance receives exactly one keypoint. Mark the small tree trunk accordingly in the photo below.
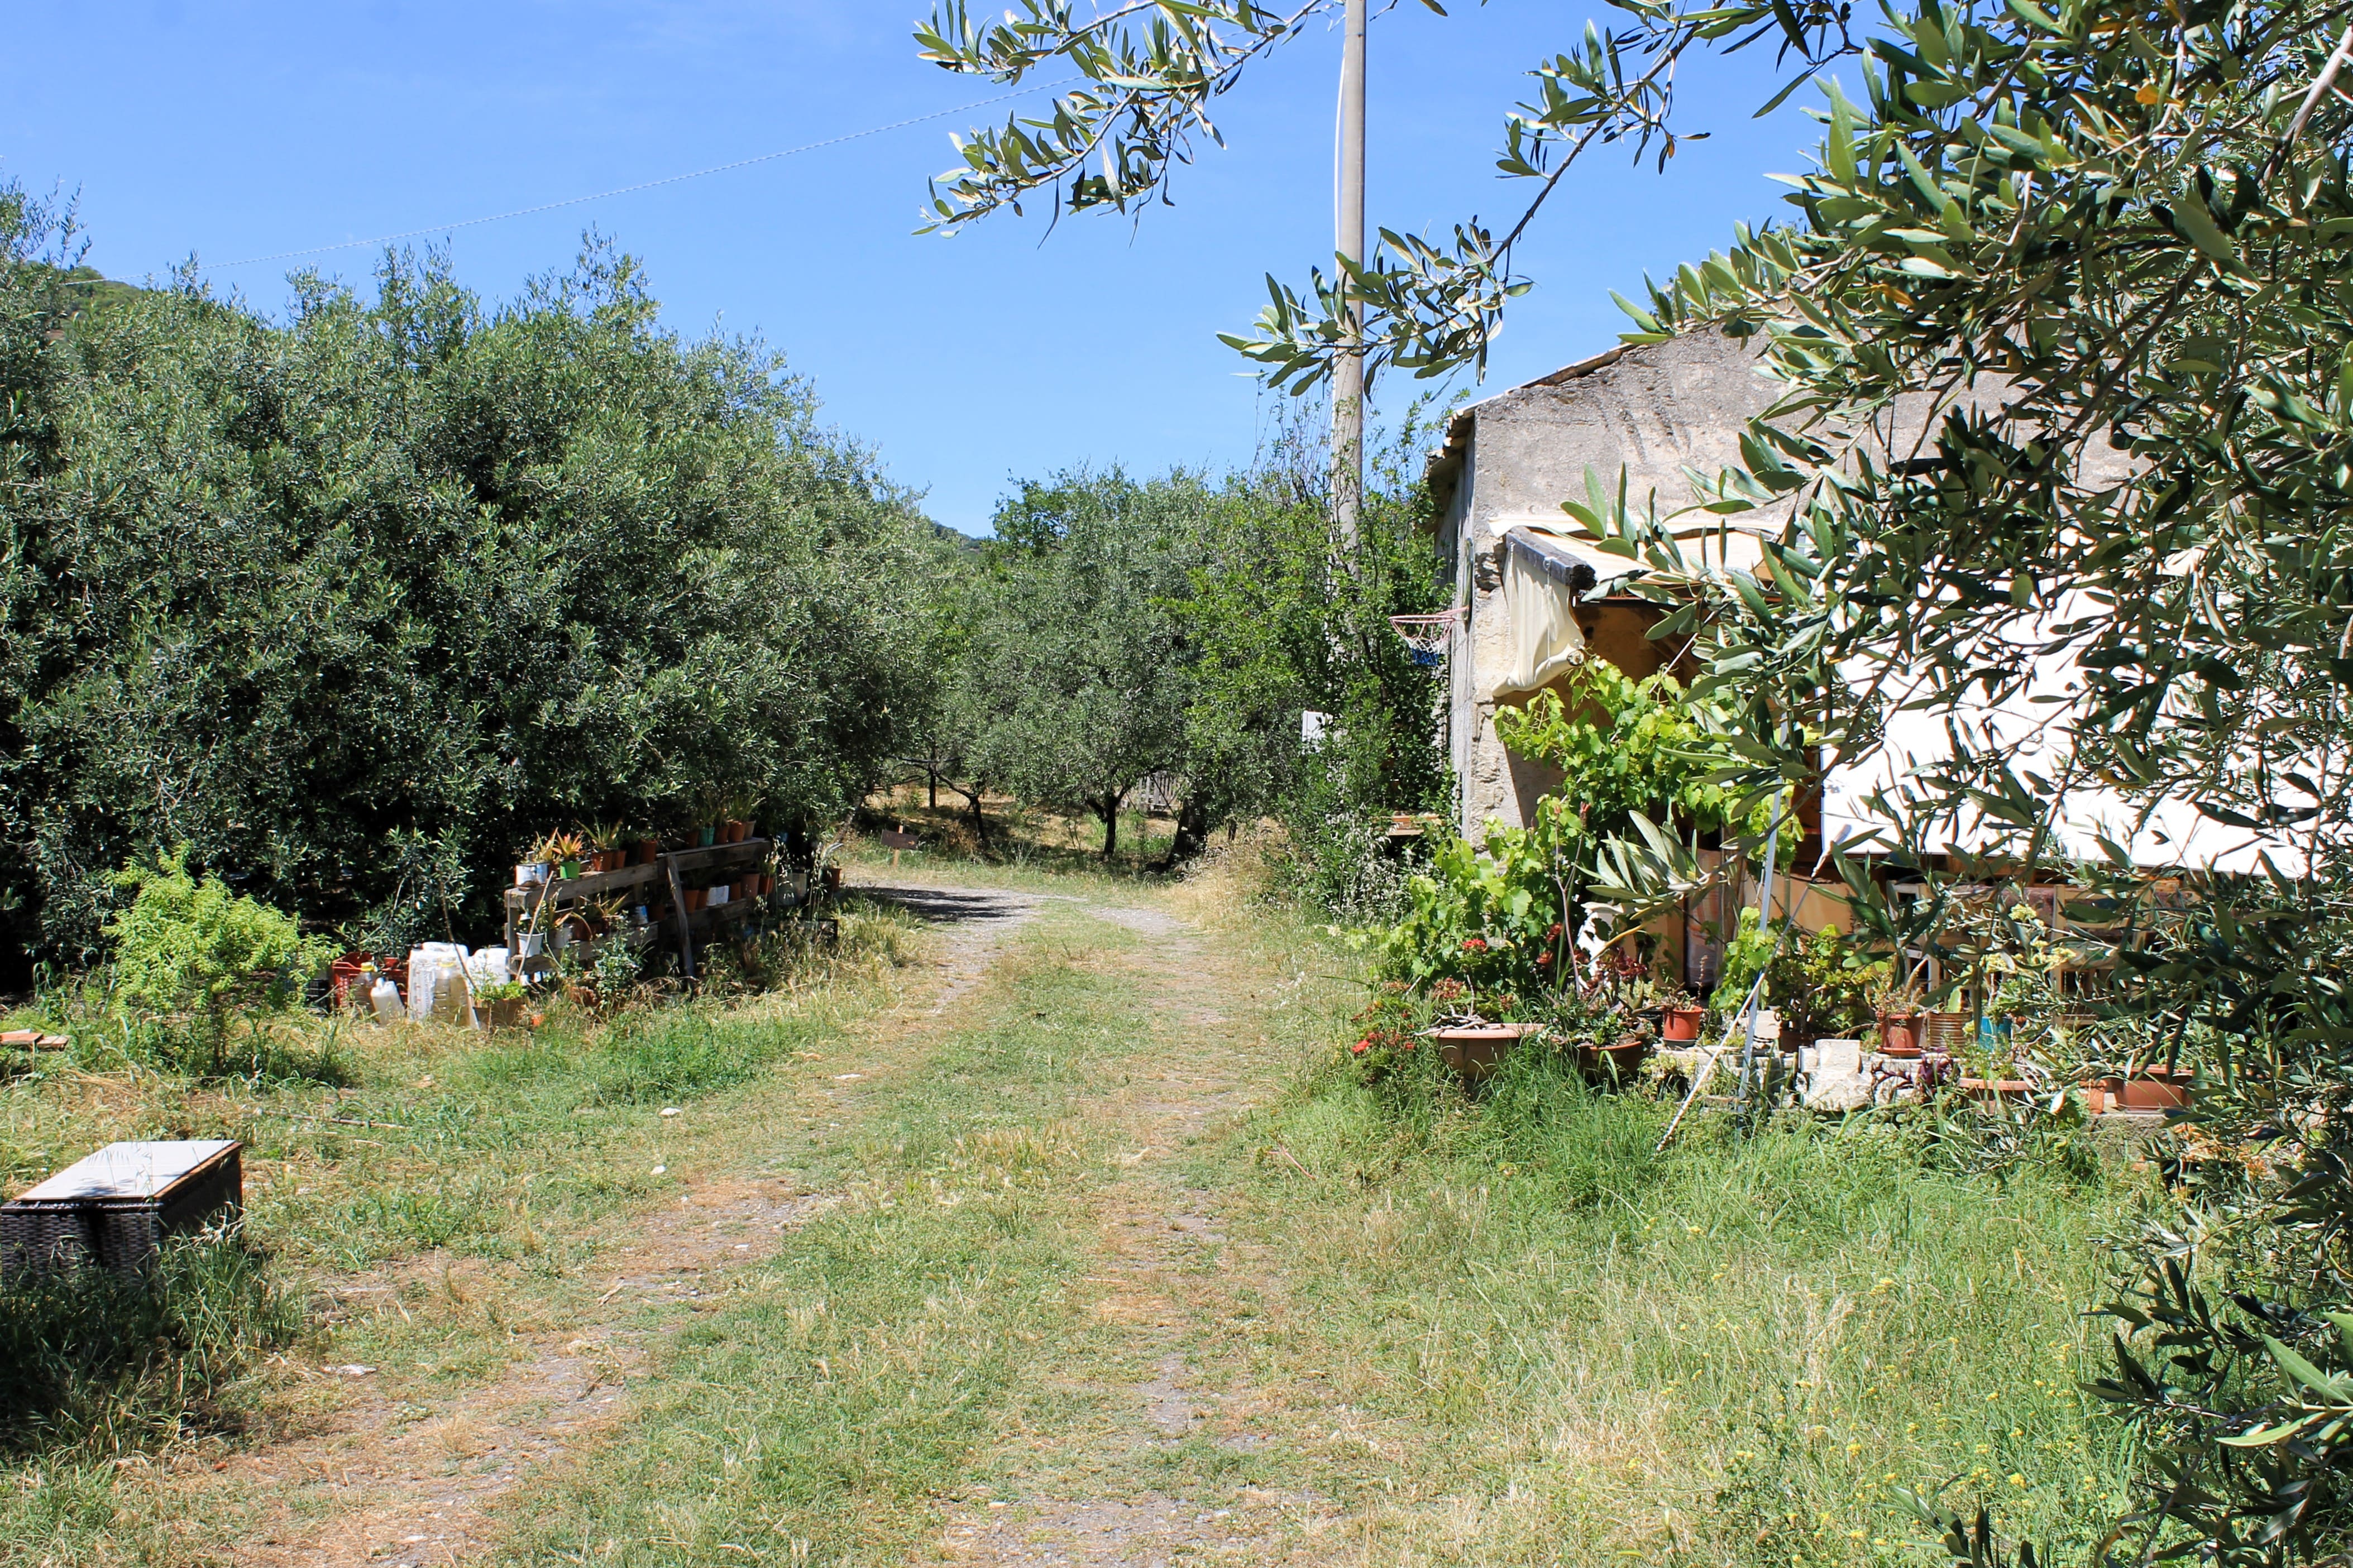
(1109, 811)
(979, 818)
(1192, 833)
(934, 776)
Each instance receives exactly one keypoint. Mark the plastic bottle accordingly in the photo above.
(385, 997)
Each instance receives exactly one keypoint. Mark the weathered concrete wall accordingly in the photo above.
(1517, 456)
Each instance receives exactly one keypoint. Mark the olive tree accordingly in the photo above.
(353, 605)
(1076, 683)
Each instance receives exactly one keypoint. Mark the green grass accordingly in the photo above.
(92, 1367)
(364, 1147)
(875, 1362)
(1488, 1331)
(1733, 1352)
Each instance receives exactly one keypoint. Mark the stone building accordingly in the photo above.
(1527, 574)
(1507, 466)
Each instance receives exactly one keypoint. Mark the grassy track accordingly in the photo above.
(1494, 1334)
(424, 1202)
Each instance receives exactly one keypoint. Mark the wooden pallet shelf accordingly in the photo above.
(658, 887)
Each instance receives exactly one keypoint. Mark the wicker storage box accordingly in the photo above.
(115, 1208)
(47, 1235)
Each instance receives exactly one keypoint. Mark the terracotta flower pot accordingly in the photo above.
(648, 851)
(1681, 1023)
(1944, 1032)
(1994, 1089)
(2152, 1089)
(1474, 1053)
(1899, 1035)
(506, 1015)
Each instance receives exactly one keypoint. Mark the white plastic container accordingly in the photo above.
(430, 966)
(385, 997)
(453, 1000)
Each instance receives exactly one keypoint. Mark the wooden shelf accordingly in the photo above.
(658, 887)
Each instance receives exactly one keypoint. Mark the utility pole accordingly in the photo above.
(1348, 370)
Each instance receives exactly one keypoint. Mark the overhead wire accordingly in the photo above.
(643, 184)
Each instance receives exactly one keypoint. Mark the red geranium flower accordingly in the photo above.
(1554, 934)
(1474, 944)
(1543, 959)
(1360, 1047)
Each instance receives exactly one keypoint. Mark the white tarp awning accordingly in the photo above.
(2029, 735)
(1542, 580)
(1550, 562)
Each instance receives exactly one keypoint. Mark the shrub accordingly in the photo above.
(186, 946)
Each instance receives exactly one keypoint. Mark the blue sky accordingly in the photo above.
(231, 131)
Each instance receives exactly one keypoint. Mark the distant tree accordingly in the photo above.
(1181, 626)
(945, 709)
(1282, 621)
(1079, 680)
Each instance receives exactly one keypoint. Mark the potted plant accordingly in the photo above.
(2142, 1086)
(1473, 1048)
(563, 850)
(500, 1005)
(540, 862)
(1818, 981)
(1617, 1060)
(740, 809)
(604, 841)
(1680, 1019)
(1895, 1010)
(648, 851)
(1469, 1045)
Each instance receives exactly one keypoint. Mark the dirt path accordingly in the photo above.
(407, 1484)
(1162, 1395)
(1177, 1294)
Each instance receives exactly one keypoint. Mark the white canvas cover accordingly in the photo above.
(1543, 639)
(2170, 835)
(1550, 561)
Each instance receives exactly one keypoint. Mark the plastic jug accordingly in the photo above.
(430, 966)
(385, 997)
